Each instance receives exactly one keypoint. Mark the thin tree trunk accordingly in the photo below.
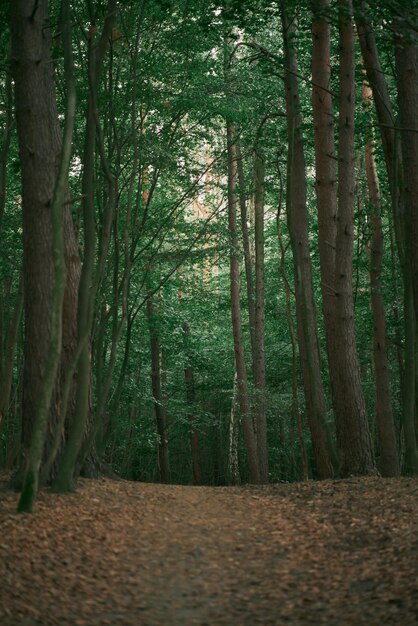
(296, 414)
(233, 460)
(389, 461)
(5, 144)
(325, 169)
(6, 372)
(191, 401)
(159, 406)
(88, 286)
(240, 366)
(259, 352)
(297, 215)
(246, 246)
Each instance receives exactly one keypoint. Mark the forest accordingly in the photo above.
(209, 227)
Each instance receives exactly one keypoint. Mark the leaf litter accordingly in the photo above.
(123, 553)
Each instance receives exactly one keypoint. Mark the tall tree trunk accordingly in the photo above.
(354, 440)
(296, 414)
(88, 283)
(159, 405)
(406, 52)
(6, 369)
(394, 167)
(191, 401)
(45, 168)
(389, 461)
(234, 263)
(259, 353)
(233, 460)
(5, 143)
(297, 215)
(248, 263)
(325, 168)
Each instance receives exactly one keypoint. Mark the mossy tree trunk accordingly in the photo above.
(70, 462)
(45, 165)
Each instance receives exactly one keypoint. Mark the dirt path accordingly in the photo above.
(120, 554)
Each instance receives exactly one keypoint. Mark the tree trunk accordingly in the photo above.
(325, 169)
(159, 405)
(297, 215)
(406, 52)
(394, 167)
(233, 460)
(5, 144)
(82, 428)
(246, 246)
(389, 462)
(259, 353)
(191, 401)
(353, 435)
(6, 371)
(247, 424)
(296, 414)
(44, 188)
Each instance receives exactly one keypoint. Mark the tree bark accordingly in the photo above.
(325, 170)
(296, 414)
(191, 401)
(248, 263)
(353, 435)
(240, 366)
(297, 215)
(233, 460)
(389, 461)
(88, 285)
(6, 370)
(406, 53)
(394, 167)
(45, 165)
(259, 352)
(159, 405)
(5, 144)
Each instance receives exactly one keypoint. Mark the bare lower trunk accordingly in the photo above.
(233, 461)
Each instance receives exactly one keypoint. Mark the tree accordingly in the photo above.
(45, 165)
(242, 385)
(406, 52)
(297, 216)
(395, 170)
(88, 286)
(354, 441)
(389, 461)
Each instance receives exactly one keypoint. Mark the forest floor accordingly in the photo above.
(119, 553)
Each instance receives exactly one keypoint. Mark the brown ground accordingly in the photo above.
(121, 554)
